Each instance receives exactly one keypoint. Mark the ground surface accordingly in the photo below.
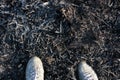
(61, 33)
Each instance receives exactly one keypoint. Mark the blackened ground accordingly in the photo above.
(61, 33)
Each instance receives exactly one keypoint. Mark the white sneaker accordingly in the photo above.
(86, 72)
(34, 70)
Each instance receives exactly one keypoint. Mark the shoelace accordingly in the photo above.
(88, 76)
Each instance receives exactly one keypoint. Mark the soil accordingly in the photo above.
(61, 33)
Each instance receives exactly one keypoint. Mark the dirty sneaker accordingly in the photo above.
(86, 72)
(34, 70)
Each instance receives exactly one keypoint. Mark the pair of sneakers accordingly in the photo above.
(35, 71)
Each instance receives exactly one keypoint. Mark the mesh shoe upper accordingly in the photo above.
(86, 72)
(34, 70)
